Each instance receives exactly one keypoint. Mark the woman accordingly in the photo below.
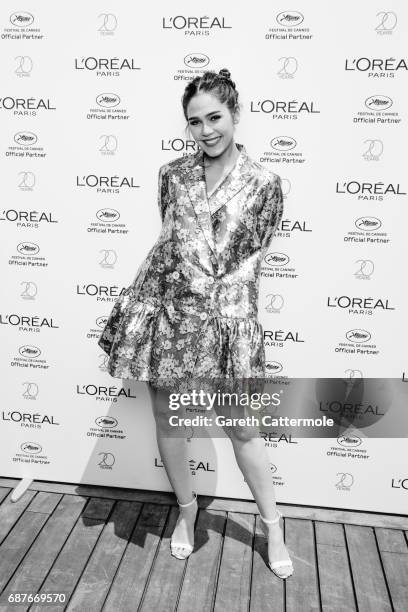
(192, 309)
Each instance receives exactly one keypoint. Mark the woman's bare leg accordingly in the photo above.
(253, 462)
(252, 459)
(172, 446)
(173, 452)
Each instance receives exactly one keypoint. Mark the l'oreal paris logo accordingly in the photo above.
(181, 22)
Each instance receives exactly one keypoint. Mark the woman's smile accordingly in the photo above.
(210, 142)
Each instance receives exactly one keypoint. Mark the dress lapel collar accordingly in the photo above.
(235, 180)
(194, 179)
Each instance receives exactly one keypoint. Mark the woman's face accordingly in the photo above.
(211, 123)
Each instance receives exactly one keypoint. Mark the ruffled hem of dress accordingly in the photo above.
(232, 348)
(227, 348)
(130, 319)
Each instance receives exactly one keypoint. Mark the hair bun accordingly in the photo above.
(224, 72)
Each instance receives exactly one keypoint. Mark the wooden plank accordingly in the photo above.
(129, 582)
(4, 491)
(332, 515)
(39, 559)
(72, 559)
(394, 554)
(369, 583)
(91, 590)
(44, 502)
(336, 586)
(302, 591)
(17, 543)
(351, 517)
(396, 571)
(10, 512)
(234, 579)
(331, 534)
(391, 540)
(200, 579)
(267, 590)
(164, 583)
(97, 508)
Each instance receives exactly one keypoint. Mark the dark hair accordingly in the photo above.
(220, 84)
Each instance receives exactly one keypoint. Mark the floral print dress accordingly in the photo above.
(192, 309)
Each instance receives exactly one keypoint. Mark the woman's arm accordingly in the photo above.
(163, 191)
(270, 211)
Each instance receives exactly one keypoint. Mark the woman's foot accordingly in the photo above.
(182, 540)
(279, 560)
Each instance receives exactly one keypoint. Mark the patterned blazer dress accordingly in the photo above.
(192, 310)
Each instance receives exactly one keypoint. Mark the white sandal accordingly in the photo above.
(277, 564)
(187, 548)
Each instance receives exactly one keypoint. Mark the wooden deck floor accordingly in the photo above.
(108, 549)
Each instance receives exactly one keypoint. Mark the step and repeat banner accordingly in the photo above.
(90, 108)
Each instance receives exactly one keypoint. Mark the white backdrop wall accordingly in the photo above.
(89, 109)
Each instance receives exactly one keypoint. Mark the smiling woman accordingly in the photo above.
(214, 129)
(192, 311)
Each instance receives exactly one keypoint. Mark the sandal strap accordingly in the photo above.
(189, 503)
(275, 520)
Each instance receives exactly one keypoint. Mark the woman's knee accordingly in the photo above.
(162, 422)
(243, 434)
(162, 414)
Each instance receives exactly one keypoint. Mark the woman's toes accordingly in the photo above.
(284, 572)
(284, 576)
